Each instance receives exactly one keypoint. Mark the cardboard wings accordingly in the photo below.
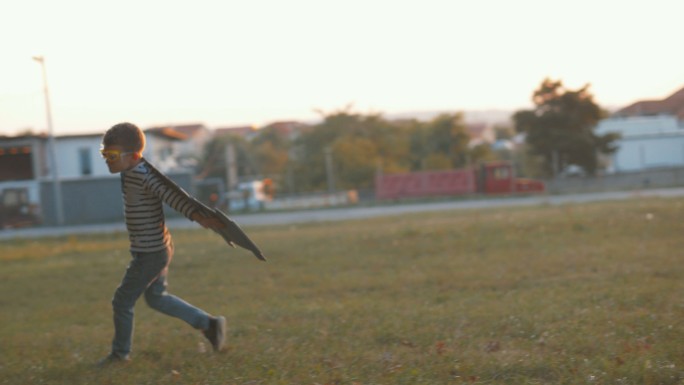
(232, 233)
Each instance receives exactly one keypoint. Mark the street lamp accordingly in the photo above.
(56, 186)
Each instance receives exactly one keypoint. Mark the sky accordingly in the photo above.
(233, 63)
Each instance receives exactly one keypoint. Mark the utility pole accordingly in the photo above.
(329, 169)
(554, 163)
(231, 168)
(56, 184)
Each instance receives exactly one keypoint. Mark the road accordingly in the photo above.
(349, 213)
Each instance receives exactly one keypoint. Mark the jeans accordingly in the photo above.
(147, 274)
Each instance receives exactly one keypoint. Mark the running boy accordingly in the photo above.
(144, 190)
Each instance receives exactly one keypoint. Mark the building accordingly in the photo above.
(163, 147)
(187, 145)
(480, 134)
(83, 179)
(652, 134)
(246, 132)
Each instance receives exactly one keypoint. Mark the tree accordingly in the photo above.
(504, 131)
(359, 144)
(308, 158)
(480, 154)
(560, 128)
(213, 163)
(270, 151)
(355, 161)
(440, 144)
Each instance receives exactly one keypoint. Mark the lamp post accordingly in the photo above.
(56, 185)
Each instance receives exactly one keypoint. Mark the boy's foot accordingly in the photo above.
(113, 359)
(216, 333)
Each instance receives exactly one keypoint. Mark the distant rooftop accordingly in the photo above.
(672, 105)
(235, 130)
(167, 132)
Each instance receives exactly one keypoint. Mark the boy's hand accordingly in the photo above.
(208, 222)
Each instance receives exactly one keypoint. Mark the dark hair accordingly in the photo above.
(126, 135)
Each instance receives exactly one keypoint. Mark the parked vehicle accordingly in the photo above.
(250, 196)
(488, 178)
(16, 209)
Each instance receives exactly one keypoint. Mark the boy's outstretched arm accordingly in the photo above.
(207, 222)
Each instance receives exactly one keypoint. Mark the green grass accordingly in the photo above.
(579, 294)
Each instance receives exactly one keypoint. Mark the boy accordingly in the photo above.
(144, 190)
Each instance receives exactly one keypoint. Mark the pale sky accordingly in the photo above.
(227, 63)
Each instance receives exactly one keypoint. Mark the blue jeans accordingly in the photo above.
(147, 274)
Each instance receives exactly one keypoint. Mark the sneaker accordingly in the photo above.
(216, 333)
(113, 359)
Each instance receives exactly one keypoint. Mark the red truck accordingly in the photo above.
(488, 178)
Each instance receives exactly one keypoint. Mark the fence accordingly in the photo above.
(98, 200)
(93, 200)
(652, 178)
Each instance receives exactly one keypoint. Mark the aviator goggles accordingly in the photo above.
(113, 155)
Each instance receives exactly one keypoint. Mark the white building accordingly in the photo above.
(188, 146)
(647, 142)
(78, 156)
(25, 167)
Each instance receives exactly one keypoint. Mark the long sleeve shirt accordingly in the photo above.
(144, 191)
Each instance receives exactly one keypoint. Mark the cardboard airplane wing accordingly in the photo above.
(232, 233)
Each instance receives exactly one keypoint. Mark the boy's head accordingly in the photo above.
(122, 147)
(126, 135)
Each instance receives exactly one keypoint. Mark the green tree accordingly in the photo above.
(355, 160)
(560, 128)
(436, 161)
(391, 141)
(213, 164)
(308, 158)
(504, 131)
(359, 144)
(439, 144)
(270, 151)
(481, 153)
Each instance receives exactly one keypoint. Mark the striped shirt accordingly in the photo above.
(144, 191)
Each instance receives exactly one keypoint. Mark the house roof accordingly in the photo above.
(178, 132)
(286, 128)
(190, 130)
(79, 136)
(476, 130)
(672, 105)
(166, 132)
(23, 137)
(480, 133)
(237, 130)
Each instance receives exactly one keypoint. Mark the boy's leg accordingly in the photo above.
(156, 296)
(143, 269)
(159, 299)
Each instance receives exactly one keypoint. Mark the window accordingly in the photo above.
(85, 161)
(16, 163)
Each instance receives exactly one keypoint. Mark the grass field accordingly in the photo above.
(590, 294)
